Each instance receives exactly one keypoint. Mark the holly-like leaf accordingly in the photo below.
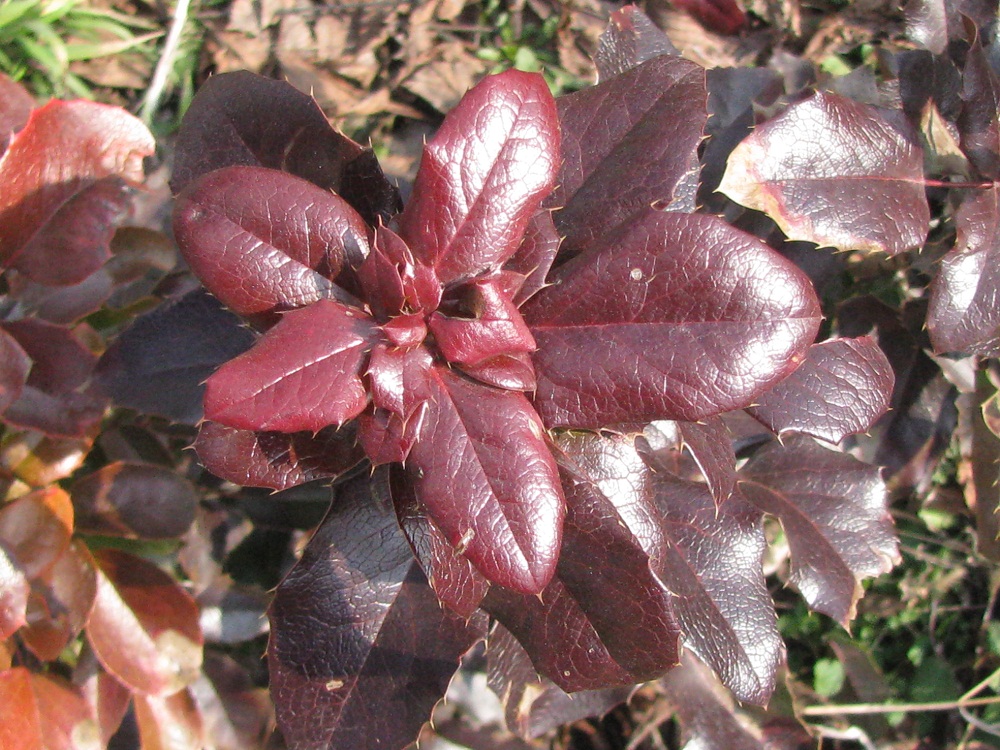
(627, 144)
(483, 175)
(262, 240)
(14, 367)
(144, 626)
(278, 460)
(303, 374)
(963, 315)
(65, 151)
(482, 469)
(232, 122)
(535, 255)
(979, 123)
(833, 510)
(134, 500)
(39, 712)
(360, 649)
(160, 363)
(630, 38)
(842, 387)
(711, 446)
(820, 167)
(728, 315)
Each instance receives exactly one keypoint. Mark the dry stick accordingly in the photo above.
(151, 101)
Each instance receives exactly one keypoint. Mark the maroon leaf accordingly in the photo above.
(232, 122)
(963, 315)
(656, 111)
(483, 176)
(629, 40)
(534, 705)
(833, 510)
(160, 363)
(15, 108)
(842, 387)
(14, 367)
(278, 460)
(303, 374)
(711, 445)
(457, 584)
(65, 149)
(818, 168)
(360, 649)
(721, 16)
(729, 317)
(144, 626)
(63, 305)
(134, 500)
(482, 469)
(535, 255)
(978, 123)
(261, 240)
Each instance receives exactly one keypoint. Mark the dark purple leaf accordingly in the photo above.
(978, 124)
(483, 176)
(629, 40)
(360, 649)
(232, 122)
(482, 469)
(64, 150)
(534, 705)
(262, 240)
(457, 584)
(63, 305)
(14, 367)
(842, 387)
(159, 364)
(711, 445)
(69, 415)
(818, 169)
(833, 510)
(15, 108)
(535, 255)
(278, 460)
(134, 500)
(963, 315)
(675, 316)
(627, 144)
(303, 374)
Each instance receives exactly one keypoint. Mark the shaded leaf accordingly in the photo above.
(15, 108)
(278, 460)
(535, 255)
(964, 314)
(302, 375)
(38, 712)
(630, 38)
(498, 501)
(833, 510)
(63, 150)
(231, 122)
(711, 445)
(360, 649)
(818, 169)
(63, 305)
(842, 387)
(978, 124)
(144, 626)
(134, 500)
(657, 110)
(262, 240)
(483, 175)
(159, 364)
(534, 705)
(729, 317)
(237, 715)
(14, 367)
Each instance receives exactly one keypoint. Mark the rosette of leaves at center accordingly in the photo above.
(498, 344)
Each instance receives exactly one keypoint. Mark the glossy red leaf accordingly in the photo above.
(513, 372)
(232, 121)
(457, 584)
(159, 364)
(360, 649)
(134, 500)
(65, 149)
(711, 446)
(14, 367)
(674, 316)
(534, 705)
(627, 144)
(535, 255)
(262, 240)
(278, 460)
(833, 510)
(820, 167)
(483, 470)
(144, 626)
(15, 108)
(964, 315)
(842, 387)
(630, 38)
(303, 374)
(38, 712)
(398, 378)
(483, 175)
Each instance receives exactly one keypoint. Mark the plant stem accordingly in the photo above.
(151, 101)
